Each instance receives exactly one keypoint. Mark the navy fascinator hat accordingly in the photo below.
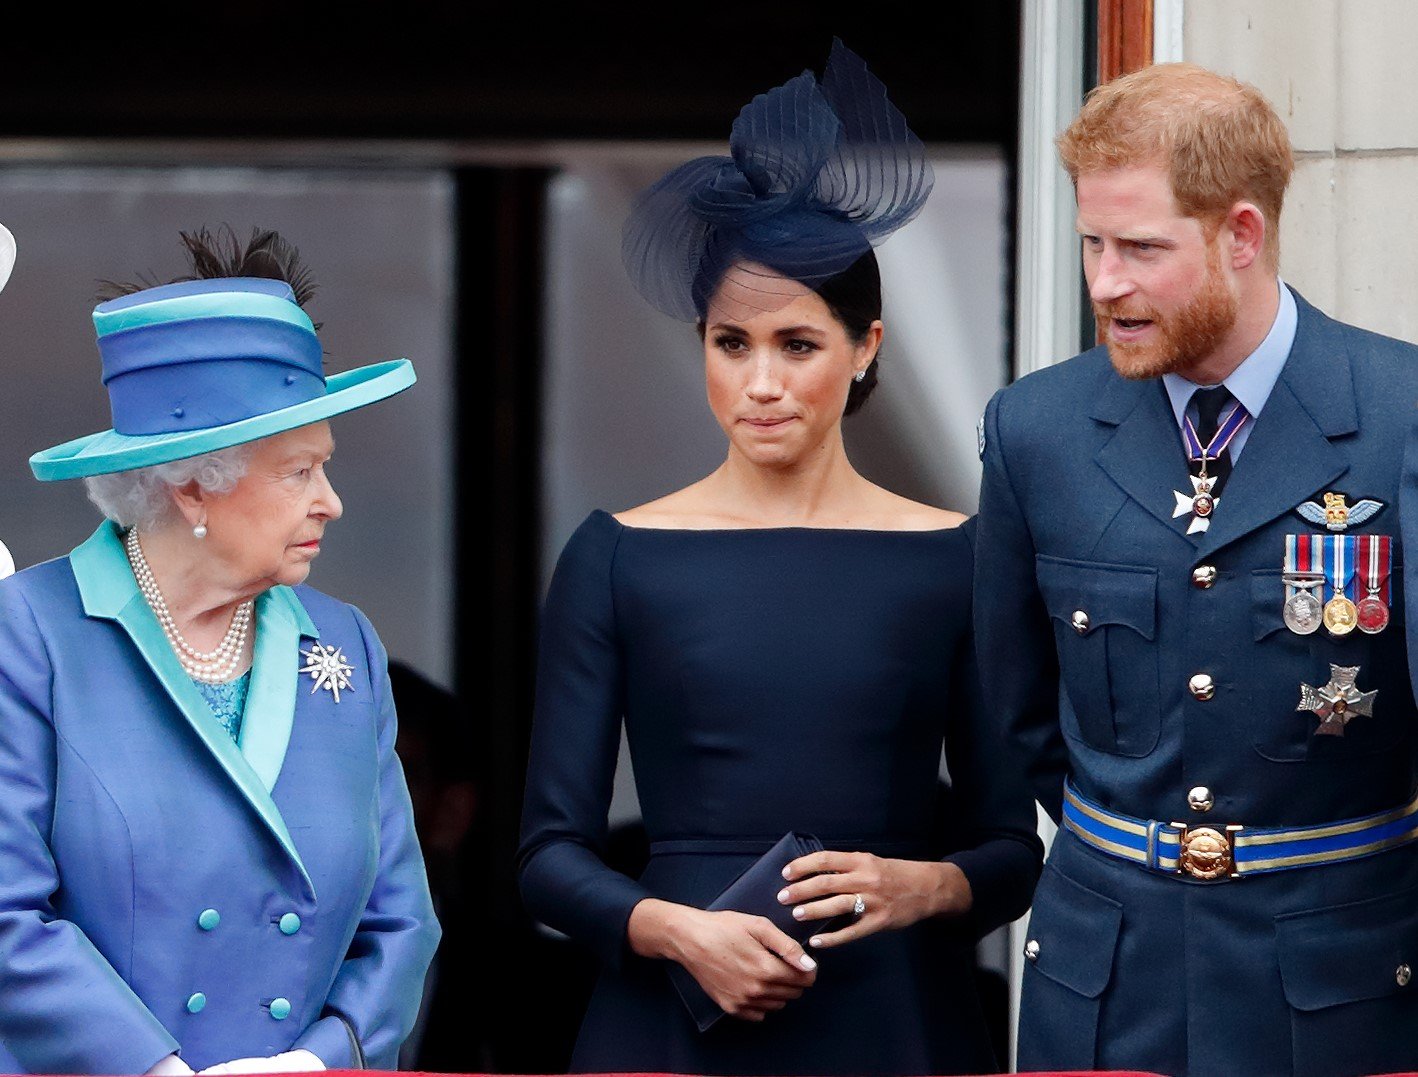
(817, 174)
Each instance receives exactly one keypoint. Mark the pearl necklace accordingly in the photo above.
(209, 667)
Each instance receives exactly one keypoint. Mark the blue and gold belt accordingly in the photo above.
(1228, 851)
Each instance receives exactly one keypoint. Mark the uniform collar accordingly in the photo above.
(1252, 381)
(1292, 451)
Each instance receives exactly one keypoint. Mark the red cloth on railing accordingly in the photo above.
(1051, 1073)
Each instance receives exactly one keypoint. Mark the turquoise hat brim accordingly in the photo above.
(110, 451)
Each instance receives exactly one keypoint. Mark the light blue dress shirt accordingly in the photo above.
(1252, 381)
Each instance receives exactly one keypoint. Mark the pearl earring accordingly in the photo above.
(859, 376)
(200, 531)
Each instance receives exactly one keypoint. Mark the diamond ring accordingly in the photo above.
(858, 905)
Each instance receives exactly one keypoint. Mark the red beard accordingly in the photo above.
(1182, 339)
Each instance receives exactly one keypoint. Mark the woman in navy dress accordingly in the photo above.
(788, 646)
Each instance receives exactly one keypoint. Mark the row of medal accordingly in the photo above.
(1353, 570)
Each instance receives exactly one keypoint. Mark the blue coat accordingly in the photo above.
(162, 889)
(1296, 971)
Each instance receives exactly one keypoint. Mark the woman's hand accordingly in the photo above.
(896, 893)
(745, 964)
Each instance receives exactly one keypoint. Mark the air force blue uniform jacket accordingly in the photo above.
(161, 888)
(1095, 610)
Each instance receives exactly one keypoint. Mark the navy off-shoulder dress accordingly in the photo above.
(771, 680)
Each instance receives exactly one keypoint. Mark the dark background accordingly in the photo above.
(508, 997)
(484, 71)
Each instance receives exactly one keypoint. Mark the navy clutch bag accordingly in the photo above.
(755, 892)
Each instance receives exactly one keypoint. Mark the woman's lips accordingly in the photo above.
(769, 423)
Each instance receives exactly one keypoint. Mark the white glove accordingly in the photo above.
(301, 1061)
(171, 1066)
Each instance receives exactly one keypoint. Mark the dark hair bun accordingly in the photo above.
(854, 298)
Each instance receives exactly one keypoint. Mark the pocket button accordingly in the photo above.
(1080, 622)
(1403, 975)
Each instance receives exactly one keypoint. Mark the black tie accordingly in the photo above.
(1211, 404)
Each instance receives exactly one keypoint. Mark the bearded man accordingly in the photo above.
(1190, 619)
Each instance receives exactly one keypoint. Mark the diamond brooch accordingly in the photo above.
(329, 669)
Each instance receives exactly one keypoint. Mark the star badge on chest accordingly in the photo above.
(329, 669)
(1337, 702)
(1200, 505)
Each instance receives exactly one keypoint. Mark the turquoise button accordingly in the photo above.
(196, 1003)
(209, 919)
(290, 924)
(280, 1008)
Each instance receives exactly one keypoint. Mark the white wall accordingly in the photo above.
(1341, 74)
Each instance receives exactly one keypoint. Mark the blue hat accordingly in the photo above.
(817, 174)
(204, 365)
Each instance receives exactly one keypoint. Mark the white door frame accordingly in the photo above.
(1046, 324)
(1168, 20)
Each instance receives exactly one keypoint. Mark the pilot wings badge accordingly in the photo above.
(1336, 514)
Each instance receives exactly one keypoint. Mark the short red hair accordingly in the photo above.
(1219, 139)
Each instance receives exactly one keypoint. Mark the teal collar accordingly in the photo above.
(109, 591)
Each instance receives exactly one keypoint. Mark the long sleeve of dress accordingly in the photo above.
(575, 741)
(999, 847)
(64, 1008)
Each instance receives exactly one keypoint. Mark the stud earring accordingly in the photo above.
(860, 375)
(200, 531)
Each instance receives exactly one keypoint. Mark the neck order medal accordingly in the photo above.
(1203, 500)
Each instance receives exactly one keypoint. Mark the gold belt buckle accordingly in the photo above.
(1207, 852)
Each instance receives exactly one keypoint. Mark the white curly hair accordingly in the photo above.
(142, 498)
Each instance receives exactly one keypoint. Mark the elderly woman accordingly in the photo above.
(789, 646)
(207, 854)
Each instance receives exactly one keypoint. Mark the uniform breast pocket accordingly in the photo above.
(1281, 731)
(1105, 622)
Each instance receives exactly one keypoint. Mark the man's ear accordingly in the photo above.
(1245, 226)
